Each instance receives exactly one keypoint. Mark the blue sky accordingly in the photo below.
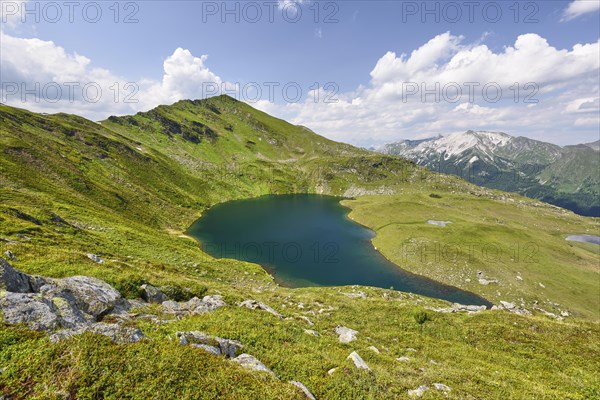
(366, 50)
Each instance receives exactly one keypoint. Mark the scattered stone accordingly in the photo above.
(542, 285)
(356, 295)
(326, 310)
(152, 294)
(257, 305)
(456, 307)
(507, 305)
(305, 318)
(358, 362)
(548, 314)
(194, 306)
(311, 332)
(374, 349)
(95, 258)
(439, 223)
(403, 359)
(513, 308)
(564, 314)
(519, 278)
(346, 335)
(442, 387)
(485, 282)
(304, 389)
(411, 349)
(250, 362)
(332, 370)
(433, 362)
(418, 392)
(10, 255)
(8, 241)
(115, 332)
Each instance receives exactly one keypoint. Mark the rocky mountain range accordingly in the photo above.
(564, 176)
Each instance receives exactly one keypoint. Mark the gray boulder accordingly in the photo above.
(193, 306)
(152, 294)
(10, 255)
(207, 304)
(90, 295)
(69, 315)
(346, 335)
(226, 347)
(15, 281)
(33, 310)
(250, 362)
(358, 361)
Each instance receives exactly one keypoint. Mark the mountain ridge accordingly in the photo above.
(564, 176)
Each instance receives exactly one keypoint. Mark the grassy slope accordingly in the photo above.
(502, 239)
(127, 189)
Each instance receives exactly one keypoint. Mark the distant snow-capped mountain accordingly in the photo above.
(566, 176)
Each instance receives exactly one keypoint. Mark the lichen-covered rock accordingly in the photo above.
(115, 332)
(252, 363)
(31, 309)
(90, 295)
(214, 302)
(69, 316)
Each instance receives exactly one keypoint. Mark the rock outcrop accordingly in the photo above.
(76, 304)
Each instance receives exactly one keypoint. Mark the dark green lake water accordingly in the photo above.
(307, 240)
